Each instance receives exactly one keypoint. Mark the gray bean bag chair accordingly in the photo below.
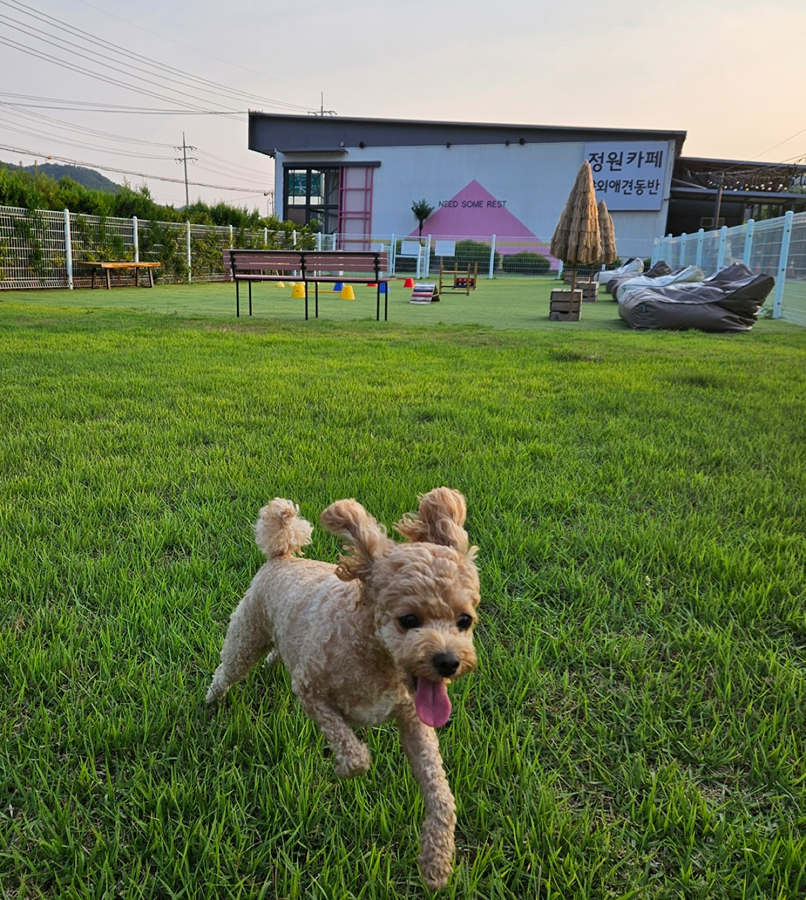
(727, 301)
(660, 268)
(633, 266)
(676, 276)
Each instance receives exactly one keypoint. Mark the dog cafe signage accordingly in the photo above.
(628, 175)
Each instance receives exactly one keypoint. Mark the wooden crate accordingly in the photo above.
(590, 291)
(565, 305)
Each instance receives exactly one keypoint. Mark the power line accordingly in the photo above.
(206, 84)
(114, 169)
(225, 166)
(95, 75)
(195, 49)
(785, 141)
(36, 133)
(68, 126)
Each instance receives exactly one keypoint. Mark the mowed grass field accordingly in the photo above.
(521, 304)
(637, 724)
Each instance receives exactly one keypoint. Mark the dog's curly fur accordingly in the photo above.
(362, 639)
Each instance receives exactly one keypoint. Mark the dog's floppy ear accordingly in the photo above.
(366, 539)
(439, 520)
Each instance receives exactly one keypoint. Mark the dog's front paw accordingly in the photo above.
(352, 763)
(436, 853)
(218, 687)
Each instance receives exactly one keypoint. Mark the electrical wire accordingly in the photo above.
(219, 165)
(30, 132)
(95, 75)
(68, 126)
(780, 143)
(194, 49)
(106, 78)
(118, 171)
(64, 44)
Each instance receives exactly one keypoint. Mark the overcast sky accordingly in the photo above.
(729, 72)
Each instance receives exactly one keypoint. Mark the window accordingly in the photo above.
(312, 198)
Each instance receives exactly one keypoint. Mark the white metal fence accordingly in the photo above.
(774, 247)
(45, 249)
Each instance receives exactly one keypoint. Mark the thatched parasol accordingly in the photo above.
(576, 238)
(607, 235)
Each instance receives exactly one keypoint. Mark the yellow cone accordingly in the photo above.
(347, 292)
(281, 284)
(298, 292)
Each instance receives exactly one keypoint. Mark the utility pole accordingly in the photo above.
(322, 110)
(184, 148)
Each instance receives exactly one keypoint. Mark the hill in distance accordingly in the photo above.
(89, 178)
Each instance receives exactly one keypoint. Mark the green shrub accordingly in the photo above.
(526, 263)
(467, 253)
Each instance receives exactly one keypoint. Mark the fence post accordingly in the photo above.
(231, 237)
(683, 237)
(189, 260)
(392, 247)
(318, 240)
(748, 242)
(700, 239)
(294, 238)
(68, 249)
(265, 235)
(723, 240)
(427, 257)
(780, 281)
(492, 258)
(135, 239)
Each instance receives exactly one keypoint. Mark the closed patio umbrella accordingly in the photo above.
(607, 235)
(576, 240)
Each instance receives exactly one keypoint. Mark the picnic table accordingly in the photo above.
(109, 267)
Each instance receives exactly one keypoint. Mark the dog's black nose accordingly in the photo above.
(445, 663)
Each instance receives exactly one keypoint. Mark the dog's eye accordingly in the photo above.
(464, 622)
(409, 621)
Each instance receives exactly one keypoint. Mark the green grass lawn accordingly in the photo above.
(637, 724)
(500, 303)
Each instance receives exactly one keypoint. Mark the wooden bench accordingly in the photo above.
(309, 267)
(109, 267)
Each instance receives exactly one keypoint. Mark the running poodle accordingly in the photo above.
(378, 637)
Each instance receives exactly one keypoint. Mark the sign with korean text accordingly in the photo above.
(629, 175)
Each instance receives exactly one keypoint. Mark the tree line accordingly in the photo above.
(36, 190)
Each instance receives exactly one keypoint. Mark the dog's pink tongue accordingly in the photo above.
(432, 702)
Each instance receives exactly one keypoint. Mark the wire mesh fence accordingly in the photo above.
(32, 248)
(46, 249)
(774, 247)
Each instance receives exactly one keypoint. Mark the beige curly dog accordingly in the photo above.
(376, 638)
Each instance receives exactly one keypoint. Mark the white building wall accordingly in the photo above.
(533, 179)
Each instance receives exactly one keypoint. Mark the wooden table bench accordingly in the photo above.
(109, 267)
(310, 267)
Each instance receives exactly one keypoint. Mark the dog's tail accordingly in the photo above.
(280, 532)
